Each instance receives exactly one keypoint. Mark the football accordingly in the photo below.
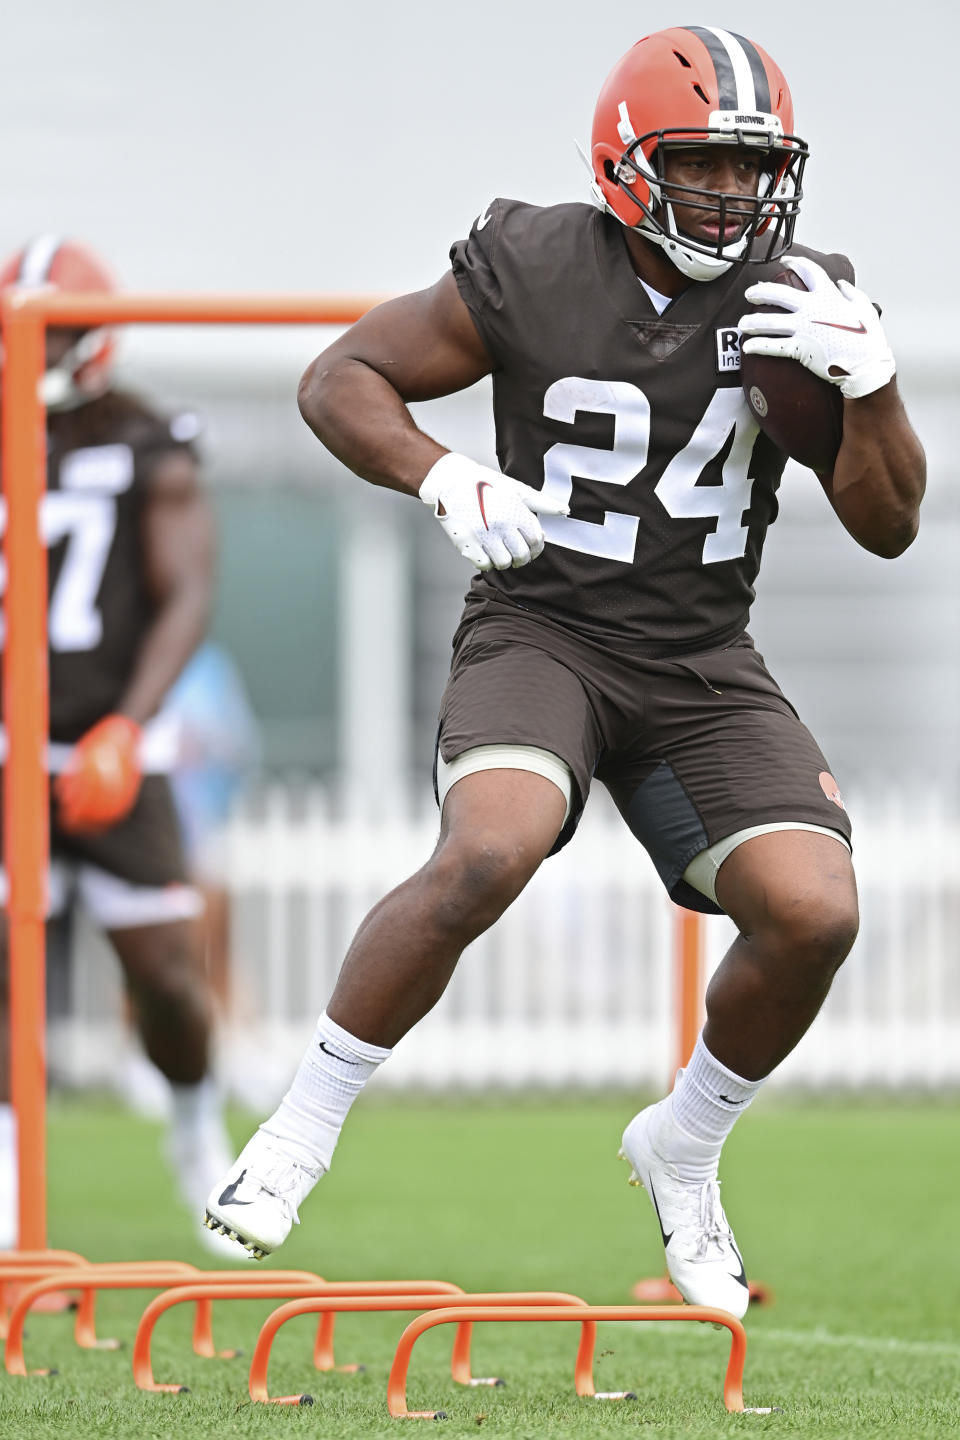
(802, 414)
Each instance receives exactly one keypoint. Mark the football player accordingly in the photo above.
(130, 547)
(604, 634)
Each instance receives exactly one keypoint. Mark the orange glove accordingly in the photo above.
(102, 778)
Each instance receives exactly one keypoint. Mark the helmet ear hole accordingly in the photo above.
(610, 171)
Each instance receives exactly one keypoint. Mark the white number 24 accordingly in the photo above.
(677, 489)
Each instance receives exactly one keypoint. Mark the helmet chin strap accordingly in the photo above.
(58, 386)
(687, 258)
(690, 262)
(59, 391)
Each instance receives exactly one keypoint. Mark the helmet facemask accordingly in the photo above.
(80, 374)
(767, 219)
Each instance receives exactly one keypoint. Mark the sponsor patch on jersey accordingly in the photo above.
(728, 349)
(107, 469)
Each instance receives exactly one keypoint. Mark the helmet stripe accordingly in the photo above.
(761, 84)
(726, 78)
(738, 67)
(37, 260)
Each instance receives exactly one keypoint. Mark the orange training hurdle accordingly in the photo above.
(588, 1315)
(137, 1275)
(460, 1361)
(17, 1266)
(338, 1298)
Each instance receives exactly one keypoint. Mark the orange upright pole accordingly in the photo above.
(688, 1000)
(25, 315)
(25, 716)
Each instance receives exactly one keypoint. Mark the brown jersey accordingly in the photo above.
(637, 419)
(100, 458)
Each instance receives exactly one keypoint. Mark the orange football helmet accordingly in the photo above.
(697, 85)
(84, 371)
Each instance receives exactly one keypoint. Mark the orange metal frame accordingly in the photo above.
(343, 1297)
(688, 983)
(25, 316)
(19, 1267)
(460, 1358)
(130, 1275)
(588, 1315)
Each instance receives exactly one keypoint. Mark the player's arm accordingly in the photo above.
(102, 778)
(354, 397)
(879, 476)
(177, 549)
(880, 473)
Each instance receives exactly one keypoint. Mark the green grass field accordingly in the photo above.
(848, 1211)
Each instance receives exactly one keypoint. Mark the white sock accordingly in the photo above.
(8, 1177)
(334, 1070)
(196, 1107)
(706, 1102)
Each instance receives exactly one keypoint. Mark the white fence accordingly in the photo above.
(574, 986)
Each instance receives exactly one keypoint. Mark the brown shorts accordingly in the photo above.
(145, 848)
(692, 749)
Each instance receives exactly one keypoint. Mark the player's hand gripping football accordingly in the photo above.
(491, 519)
(832, 328)
(102, 779)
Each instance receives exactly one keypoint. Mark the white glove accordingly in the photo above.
(833, 329)
(490, 518)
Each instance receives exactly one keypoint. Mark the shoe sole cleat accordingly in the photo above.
(256, 1251)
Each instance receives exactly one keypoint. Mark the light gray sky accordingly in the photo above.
(321, 146)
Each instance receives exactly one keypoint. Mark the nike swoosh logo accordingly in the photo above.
(741, 1278)
(666, 1238)
(229, 1196)
(481, 486)
(727, 1101)
(342, 1058)
(860, 329)
(484, 219)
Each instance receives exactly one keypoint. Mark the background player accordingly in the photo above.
(131, 562)
(620, 649)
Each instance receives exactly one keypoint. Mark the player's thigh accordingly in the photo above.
(722, 752)
(793, 887)
(163, 956)
(132, 881)
(506, 701)
(501, 823)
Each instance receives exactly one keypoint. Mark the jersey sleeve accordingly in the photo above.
(839, 267)
(474, 263)
(161, 435)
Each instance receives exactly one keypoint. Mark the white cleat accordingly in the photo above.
(701, 1253)
(221, 1247)
(256, 1202)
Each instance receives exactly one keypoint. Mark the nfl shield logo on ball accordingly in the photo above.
(728, 349)
(758, 401)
